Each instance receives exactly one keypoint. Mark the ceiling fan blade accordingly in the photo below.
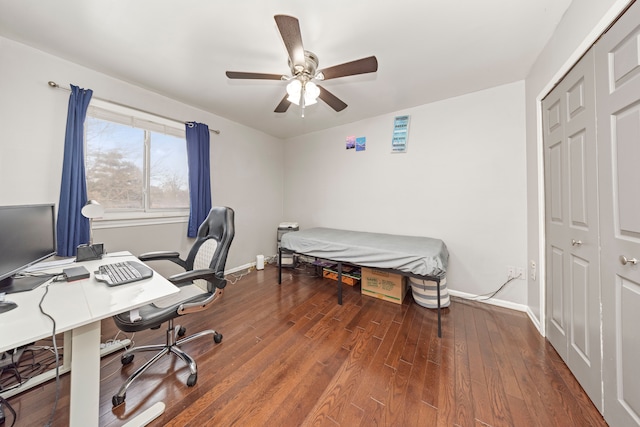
(260, 76)
(359, 66)
(332, 100)
(289, 28)
(283, 106)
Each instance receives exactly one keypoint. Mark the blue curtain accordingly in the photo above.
(199, 175)
(72, 227)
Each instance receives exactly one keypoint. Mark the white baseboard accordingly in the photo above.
(492, 301)
(535, 321)
(241, 268)
(267, 260)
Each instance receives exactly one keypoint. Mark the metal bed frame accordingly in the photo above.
(404, 273)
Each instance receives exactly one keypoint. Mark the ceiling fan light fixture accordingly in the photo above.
(294, 88)
(306, 92)
(311, 93)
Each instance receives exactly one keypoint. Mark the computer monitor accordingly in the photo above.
(27, 235)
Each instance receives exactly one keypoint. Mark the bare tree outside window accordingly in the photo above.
(169, 178)
(116, 155)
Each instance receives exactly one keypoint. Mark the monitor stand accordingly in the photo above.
(12, 284)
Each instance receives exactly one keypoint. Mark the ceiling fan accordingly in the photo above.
(302, 88)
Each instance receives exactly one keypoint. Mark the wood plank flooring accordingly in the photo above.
(292, 356)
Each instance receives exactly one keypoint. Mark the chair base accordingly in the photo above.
(172, 346)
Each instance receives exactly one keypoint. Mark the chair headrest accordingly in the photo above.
(219, 224)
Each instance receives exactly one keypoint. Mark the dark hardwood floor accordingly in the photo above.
(292, 356)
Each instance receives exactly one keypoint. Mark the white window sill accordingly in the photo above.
(136, 219)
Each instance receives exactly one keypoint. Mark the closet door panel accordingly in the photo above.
(555, 182)
(557, 299)
(572, 226)
(555, 286)
(618, 116)
(577, 180)
(580, 309)
(627, 128)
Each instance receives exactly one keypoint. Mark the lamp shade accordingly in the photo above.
(92, 209)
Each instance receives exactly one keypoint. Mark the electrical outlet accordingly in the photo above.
(511, 272)
(520, 273)
(532, 270)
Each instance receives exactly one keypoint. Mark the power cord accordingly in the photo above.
(5, 404)
(23, 374)
(489, 295)
(24, 274)
(237, 277)
(57, 358)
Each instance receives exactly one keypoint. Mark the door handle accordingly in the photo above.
(624, 260)
(575, 242)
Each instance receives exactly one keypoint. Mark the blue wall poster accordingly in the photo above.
(400, 134)
(361, 143)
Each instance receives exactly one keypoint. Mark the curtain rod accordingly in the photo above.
(57, 86)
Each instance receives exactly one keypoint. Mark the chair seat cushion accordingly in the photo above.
(186, 292)
(153, 315)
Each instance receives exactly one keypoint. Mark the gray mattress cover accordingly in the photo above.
(423, 256)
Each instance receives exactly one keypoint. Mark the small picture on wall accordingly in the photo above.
(361, 143)
(400, 134)
(351, 142)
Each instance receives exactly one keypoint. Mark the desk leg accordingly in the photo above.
(85, 376)
(67, 343)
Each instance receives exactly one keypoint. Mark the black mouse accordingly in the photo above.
(7, 305)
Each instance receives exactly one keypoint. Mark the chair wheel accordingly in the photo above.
(126, 359)
(181, 331)
(192, 380)
(217, 338)
(117, 400)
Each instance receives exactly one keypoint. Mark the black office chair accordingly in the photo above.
(201, 284)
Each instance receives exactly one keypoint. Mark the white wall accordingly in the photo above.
(462, 180)
(583, 22)
(247, 165)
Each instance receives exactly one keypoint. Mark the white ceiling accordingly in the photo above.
(427, 50)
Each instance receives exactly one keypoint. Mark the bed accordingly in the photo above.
(422, 258)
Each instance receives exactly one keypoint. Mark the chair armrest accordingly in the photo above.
(207, 274)
(163, 255)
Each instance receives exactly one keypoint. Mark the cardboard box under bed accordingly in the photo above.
(383, 285)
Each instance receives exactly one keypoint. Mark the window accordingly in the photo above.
(136, 166)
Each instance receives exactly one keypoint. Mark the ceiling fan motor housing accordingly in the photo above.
(311, 63)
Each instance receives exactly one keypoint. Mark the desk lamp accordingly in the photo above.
(92, 209)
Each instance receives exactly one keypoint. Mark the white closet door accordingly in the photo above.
(571, 221)
(618, 114)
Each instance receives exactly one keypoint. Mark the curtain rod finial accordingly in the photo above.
(53, 84)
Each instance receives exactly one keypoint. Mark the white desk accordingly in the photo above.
(78, 307)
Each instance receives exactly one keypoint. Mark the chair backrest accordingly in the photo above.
(212, 244)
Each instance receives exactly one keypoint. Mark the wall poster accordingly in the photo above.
(351, 142)
(400, 134)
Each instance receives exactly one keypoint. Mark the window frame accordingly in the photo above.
(127, 116)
